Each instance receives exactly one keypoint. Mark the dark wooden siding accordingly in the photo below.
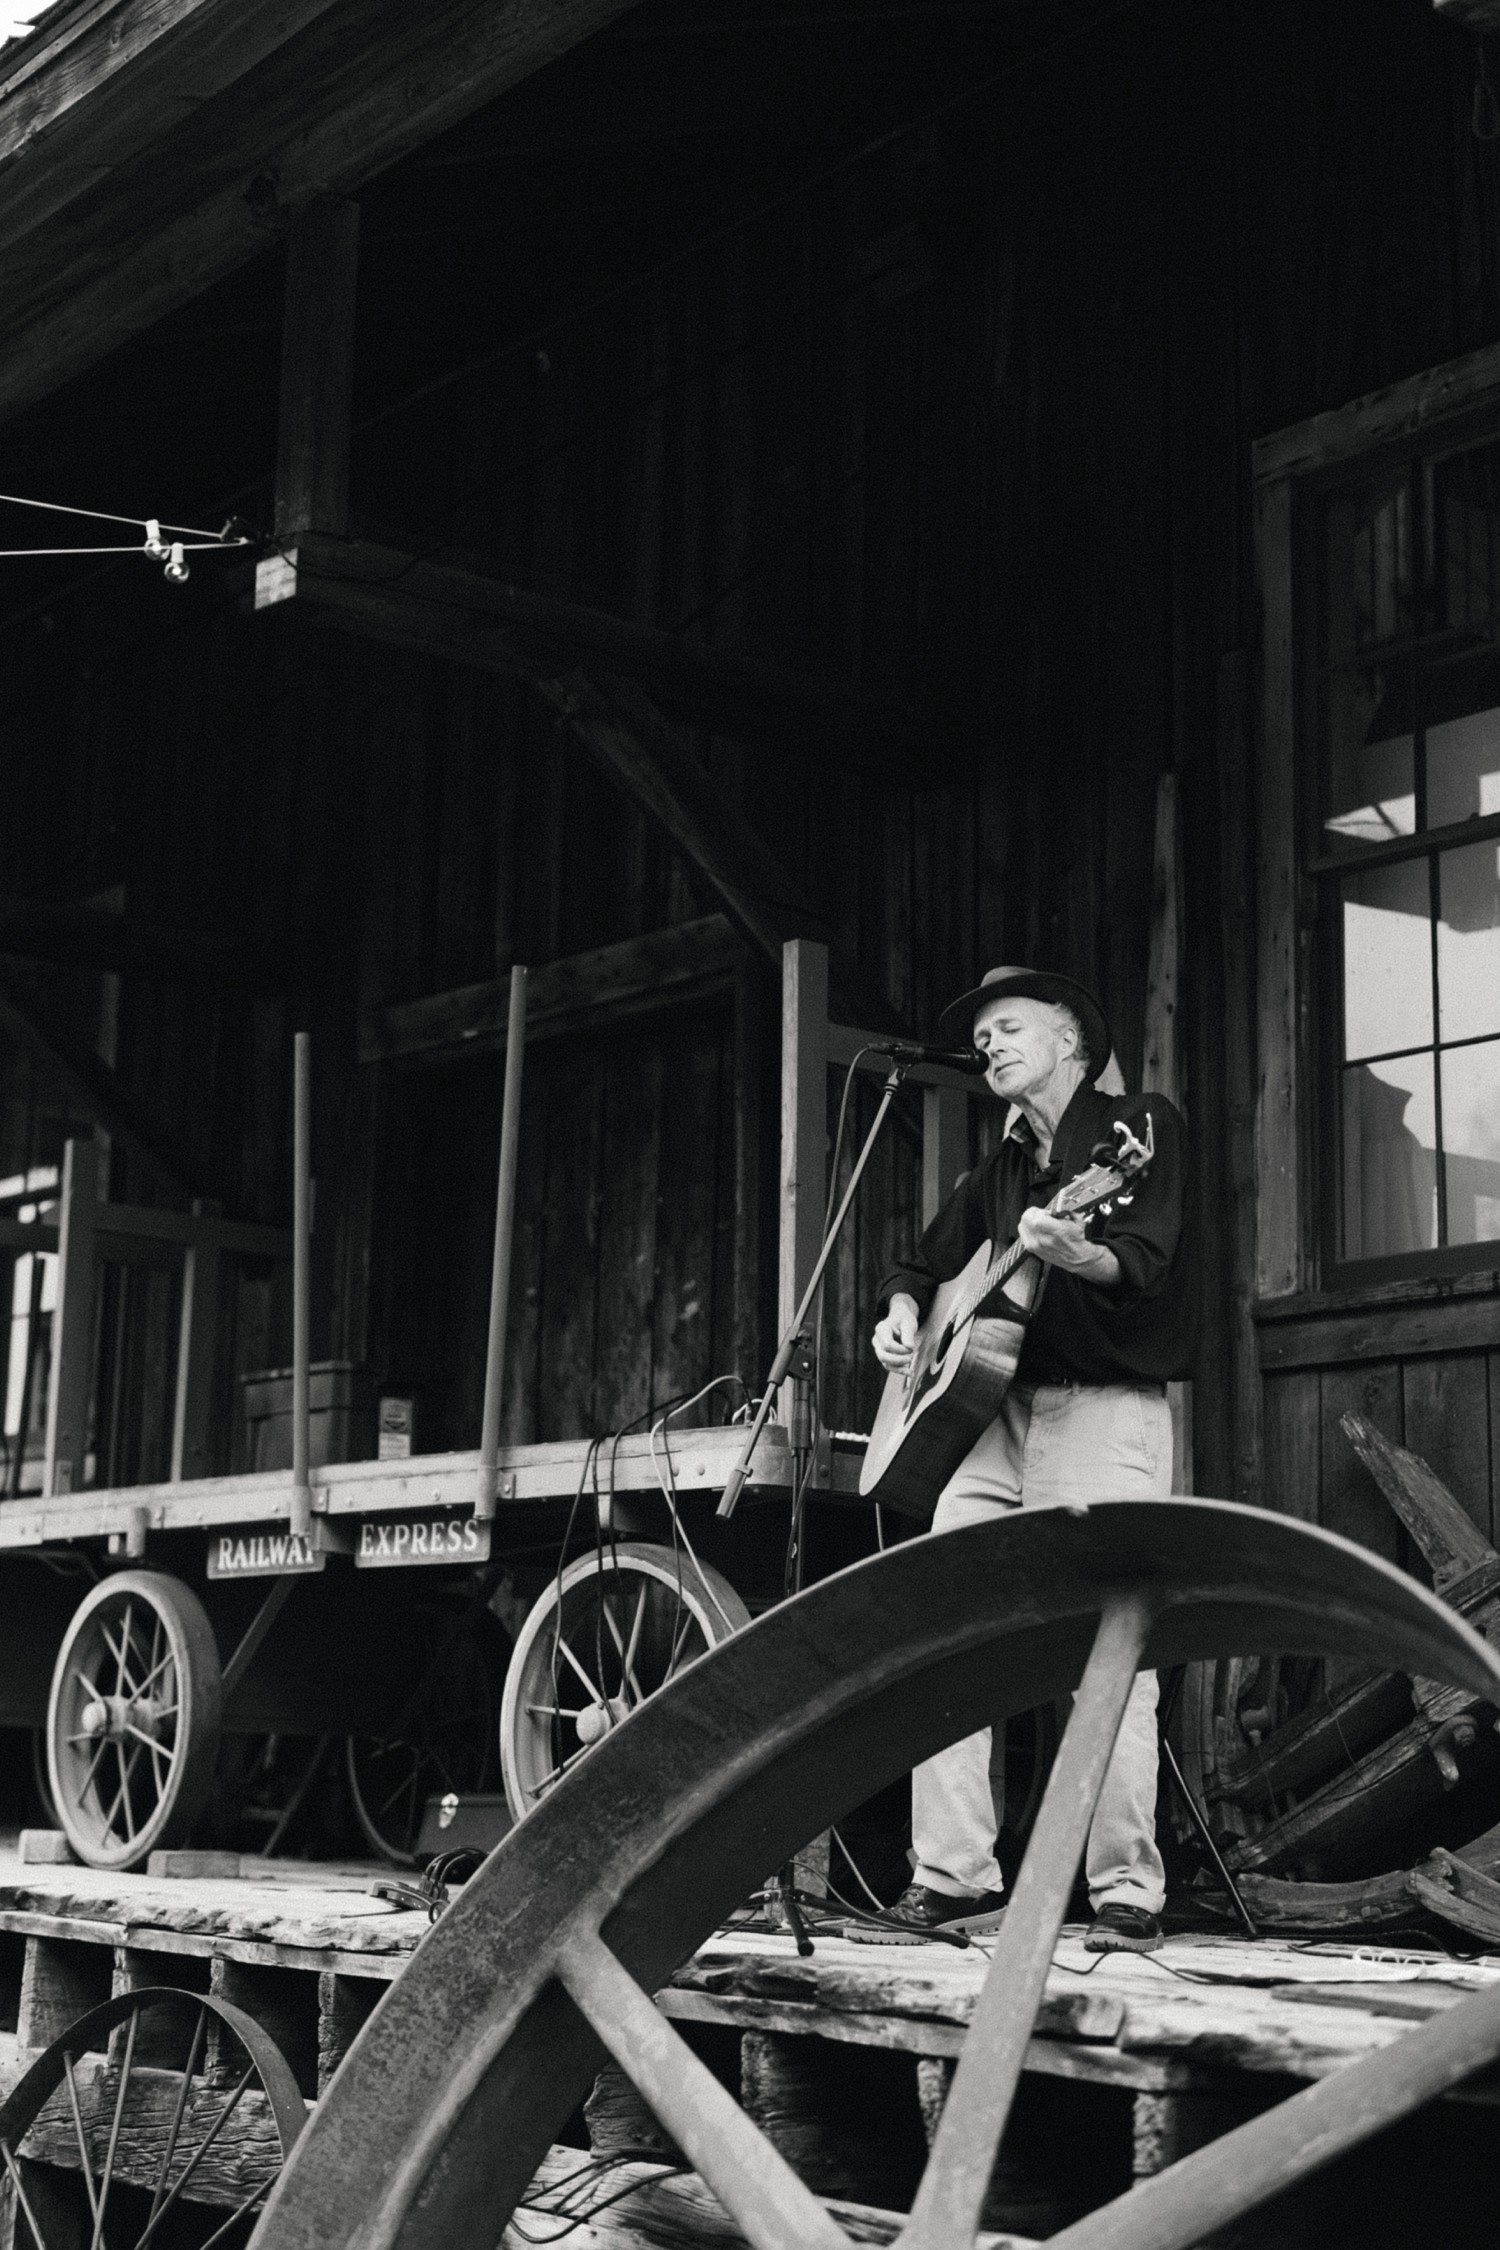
(1445, 1407)
(966, 419)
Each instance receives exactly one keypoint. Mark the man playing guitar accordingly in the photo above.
(1113, 1322)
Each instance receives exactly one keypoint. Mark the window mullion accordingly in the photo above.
(1441, 1169)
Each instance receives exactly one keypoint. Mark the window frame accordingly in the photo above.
(1298, 1158)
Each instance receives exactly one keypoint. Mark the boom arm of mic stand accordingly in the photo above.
(735, 1484)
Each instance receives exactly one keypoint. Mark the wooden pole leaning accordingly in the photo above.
(301, 1284)
(505, 1230)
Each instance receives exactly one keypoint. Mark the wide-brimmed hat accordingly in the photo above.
(957, 1020)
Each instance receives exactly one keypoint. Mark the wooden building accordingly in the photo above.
(959, 482)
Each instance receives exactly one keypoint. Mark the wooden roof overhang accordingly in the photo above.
(148, 147)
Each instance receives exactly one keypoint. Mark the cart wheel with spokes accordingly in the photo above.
(133, 1718)
(441, 1738)
(433, 2128)
(96, 2135)
(610, 1631)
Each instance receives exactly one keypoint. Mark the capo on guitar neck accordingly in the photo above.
(1133, 1154)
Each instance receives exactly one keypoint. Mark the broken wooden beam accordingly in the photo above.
(1455, 1548)
(581, 993)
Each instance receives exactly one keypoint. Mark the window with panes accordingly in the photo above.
(1403, 699)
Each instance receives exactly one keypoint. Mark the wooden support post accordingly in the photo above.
(163, 2037)
(505, 1228)
(945, 1146)
(845, 2117)
(1161, 1064)
(197, 1338)
(284, 2002)
(317, 369)
(804, 1118)
(345, 2006)
(60, 1981)
(301, 1284)
(71, 1393)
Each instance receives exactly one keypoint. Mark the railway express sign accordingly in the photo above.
(269, 1551)
(396, 1542)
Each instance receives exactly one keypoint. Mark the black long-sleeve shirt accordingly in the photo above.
(1140, 1330)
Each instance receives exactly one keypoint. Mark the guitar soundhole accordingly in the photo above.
(926, 1376)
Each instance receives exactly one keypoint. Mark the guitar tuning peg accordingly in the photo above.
(1125, 1199)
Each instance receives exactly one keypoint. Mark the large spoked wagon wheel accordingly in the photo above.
(133, 1718)
(440, 1739)
(608, 1633)
(433, 2129)
(159, 2109)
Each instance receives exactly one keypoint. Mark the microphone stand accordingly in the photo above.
(786, 1350)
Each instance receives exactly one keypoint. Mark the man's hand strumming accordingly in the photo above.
(894, 1338)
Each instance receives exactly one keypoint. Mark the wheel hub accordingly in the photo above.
(113, 1715)
(596, 1719)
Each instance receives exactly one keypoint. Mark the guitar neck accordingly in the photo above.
(999, 1270)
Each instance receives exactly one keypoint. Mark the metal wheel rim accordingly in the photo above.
(79, 2099)
(455, 2088)
(119, 1786)
(661, 1614)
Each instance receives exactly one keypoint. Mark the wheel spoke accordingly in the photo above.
(627, 1674)
(85, 2161)
(949, 2201)
(635, 1632)
(257, 2195)
(558, 1771)
(591, 1685)
(88, 1779)
(399, 1791)
(556, 1710)
(751, 2178)
(195, 2048)
(114, 2131)
(683, 1630)
(127, 1765)
(22, 2197)
(154, 1674)
(196, 2158)
(156, 1749)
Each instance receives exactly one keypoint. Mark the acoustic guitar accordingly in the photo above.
(967, 1347)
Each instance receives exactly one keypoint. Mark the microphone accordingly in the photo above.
(911, 1051)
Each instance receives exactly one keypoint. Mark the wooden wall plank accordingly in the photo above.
(682, 1320)
(1447, 1414)
(632, 1193)
(1280, 1218)
(1293, 1437)
(576, 1158)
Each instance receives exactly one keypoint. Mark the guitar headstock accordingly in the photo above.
(1110, 1177)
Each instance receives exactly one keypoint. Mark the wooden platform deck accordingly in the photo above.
(308, 1950)
(1199, 2015)
(443, 1483)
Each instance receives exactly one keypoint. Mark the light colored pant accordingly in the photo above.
(1058, 1442)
